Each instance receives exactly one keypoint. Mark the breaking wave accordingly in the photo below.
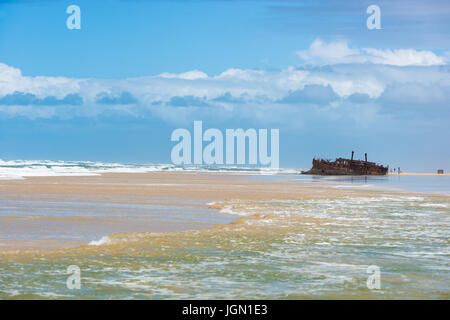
(103, 240)
(18, 169)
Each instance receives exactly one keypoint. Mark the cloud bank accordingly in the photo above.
(336, 82)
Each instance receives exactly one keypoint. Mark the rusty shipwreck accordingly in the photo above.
(342, 166)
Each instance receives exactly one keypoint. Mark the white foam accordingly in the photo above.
(18, 169)
(434, 205)
(230, 210)
(103, 240)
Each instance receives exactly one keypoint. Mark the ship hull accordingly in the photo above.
(343, 166)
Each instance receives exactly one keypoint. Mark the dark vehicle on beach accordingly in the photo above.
(342, 166)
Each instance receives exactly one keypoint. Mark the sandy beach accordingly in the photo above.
(165, 235)
(188, 193)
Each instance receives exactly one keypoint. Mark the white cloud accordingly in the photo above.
(330, 53)
(234, 93)
(403, 57)
(11, 80)
(322, 53)
(242, 74)
(190, 75)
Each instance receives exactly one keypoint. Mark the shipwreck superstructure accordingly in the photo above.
(342, 166)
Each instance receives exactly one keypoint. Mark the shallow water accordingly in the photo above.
(418, 184)
(298, 248)
(31, 222)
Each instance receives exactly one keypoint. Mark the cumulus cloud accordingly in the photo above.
(323, 53)
(190, 75)
(315, 94)
(26, 99)
(12, 80)
(227, 97)
(124, 98)
(188, 101)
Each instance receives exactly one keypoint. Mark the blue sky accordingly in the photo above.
(115, 90)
